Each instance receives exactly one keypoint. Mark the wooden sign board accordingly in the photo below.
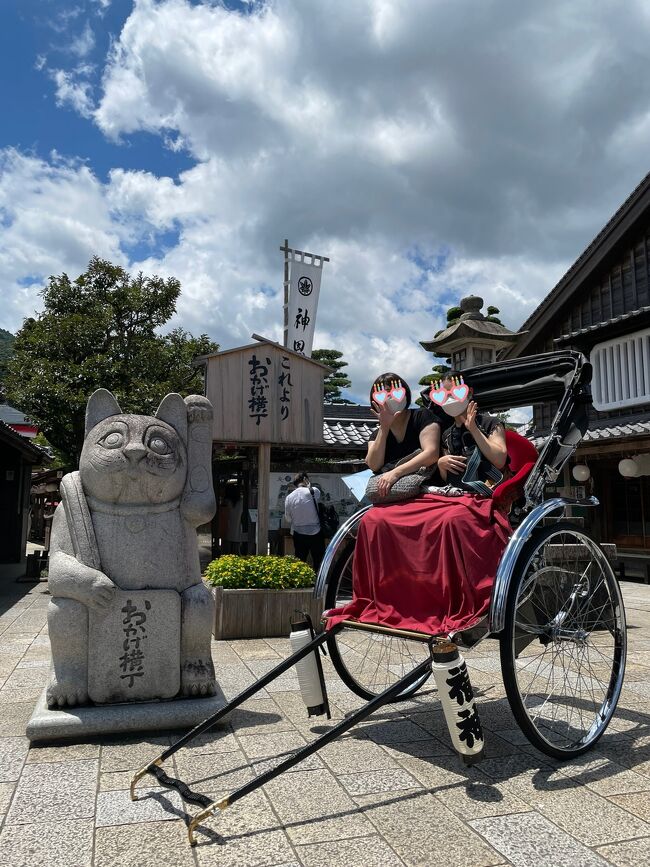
(264, 393)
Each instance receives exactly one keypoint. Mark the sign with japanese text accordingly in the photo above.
(265, 394)
(134, 647)
(304, 289)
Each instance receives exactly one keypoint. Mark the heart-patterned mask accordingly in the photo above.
(453, 400)
(394, 397)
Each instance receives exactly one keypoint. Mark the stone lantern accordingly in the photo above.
(473, 339)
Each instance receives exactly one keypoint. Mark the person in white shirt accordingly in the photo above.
(301, 512)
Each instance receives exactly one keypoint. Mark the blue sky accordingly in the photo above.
(45, 32)
(430, 148)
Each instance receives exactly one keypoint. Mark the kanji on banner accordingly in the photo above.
(304, 289)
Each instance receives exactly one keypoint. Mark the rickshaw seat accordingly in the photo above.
(523, 457)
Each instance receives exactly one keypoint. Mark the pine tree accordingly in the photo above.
(335, 380)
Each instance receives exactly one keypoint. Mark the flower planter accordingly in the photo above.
(260, 613)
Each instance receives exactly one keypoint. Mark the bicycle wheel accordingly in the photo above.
(564, 642)
(367, 662)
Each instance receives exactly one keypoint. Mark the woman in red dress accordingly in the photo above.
(428, 564)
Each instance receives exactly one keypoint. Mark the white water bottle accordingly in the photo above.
(308, 669)
(457, 698)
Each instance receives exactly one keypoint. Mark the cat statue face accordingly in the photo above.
(134, 459)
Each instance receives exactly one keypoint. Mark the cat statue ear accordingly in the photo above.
(173, 410)
(101, 405)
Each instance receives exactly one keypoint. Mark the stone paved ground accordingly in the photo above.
(390, 793)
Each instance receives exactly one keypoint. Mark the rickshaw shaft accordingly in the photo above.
(308, 750)
(243, 696)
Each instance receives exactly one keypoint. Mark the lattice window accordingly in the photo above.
(622, 371)
(483, 356)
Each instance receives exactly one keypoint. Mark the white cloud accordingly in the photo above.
(54, 218)
(83, 43)
(73, 90)
(430, 148)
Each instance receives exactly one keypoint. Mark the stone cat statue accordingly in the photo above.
(127, 522)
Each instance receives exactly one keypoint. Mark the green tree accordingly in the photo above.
(493, 314)
(100, 331)
(437, 372)
(335, 380)
(7, 341)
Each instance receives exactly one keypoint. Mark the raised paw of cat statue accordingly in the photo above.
(130, 618)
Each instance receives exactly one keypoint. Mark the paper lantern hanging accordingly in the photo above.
(581, 472)
(643, 463)
(628, 468)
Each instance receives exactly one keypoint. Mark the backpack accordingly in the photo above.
(329, 520)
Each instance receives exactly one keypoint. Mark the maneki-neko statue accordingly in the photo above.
(130, 619)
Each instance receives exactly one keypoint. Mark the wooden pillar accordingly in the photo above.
(263, 480)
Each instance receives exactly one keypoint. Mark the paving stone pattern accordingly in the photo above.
(389, 793)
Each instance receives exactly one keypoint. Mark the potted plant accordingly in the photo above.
(256, 596)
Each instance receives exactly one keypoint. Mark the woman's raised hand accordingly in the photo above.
(385, 414)
(470, 418)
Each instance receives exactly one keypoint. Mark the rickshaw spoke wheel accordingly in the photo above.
(564, 643)
(368, 663)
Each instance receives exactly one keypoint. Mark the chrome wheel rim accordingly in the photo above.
(568, 640)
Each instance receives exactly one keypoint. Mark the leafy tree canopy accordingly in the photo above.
(335, 380)
(7, 341)
(100, 331)
(437, 372)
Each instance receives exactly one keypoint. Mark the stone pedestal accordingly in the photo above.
(81, 723)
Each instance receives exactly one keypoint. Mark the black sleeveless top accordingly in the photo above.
(419, 419)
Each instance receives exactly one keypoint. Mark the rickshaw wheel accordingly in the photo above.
(564, 642)
(367, 663)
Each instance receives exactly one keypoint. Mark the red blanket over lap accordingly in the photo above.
(426, 564)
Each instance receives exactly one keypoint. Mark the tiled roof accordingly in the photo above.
(347, 425)
(602, 326)
(618, 431)
(22, 444)
(347, 433)
(11, 415)
(607, 434)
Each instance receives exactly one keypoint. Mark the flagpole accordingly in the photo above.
(285, 249)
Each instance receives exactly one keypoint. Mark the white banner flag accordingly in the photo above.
(304, 289)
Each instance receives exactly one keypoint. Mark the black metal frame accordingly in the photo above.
(209, 806)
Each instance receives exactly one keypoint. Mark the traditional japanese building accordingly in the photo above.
(17, 420)
(270, 422)
(472, 339)
(602, 307)
(17, 457)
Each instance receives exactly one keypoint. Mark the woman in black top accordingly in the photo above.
(474, 441)
(401, 431)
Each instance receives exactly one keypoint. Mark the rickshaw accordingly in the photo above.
(556, 607)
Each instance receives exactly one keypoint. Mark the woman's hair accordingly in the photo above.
(385, 379)
(300, 479)
(454, 374)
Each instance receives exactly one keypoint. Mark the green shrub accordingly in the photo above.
(259, 571)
